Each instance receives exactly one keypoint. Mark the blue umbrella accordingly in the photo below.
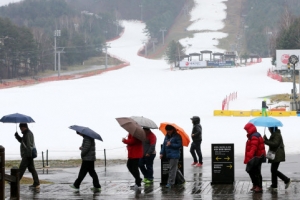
(16, 118)
(86, 131)
(266, 122)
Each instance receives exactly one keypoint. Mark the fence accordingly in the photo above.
(13, 178)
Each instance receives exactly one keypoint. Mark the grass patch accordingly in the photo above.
(64, 163)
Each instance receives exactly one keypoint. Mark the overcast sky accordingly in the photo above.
(5, 2)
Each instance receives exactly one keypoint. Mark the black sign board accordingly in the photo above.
(164, 168)
(222, 163)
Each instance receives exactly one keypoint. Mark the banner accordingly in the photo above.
(282, 58)
(192, 64)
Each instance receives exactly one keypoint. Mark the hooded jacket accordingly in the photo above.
(197, 131)
(134, 147)
(255, 144)
(275, 143)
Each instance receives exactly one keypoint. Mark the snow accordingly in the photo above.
(145, 88)
(6, 2)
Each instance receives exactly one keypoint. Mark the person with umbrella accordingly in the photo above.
(275, 143)
(146, 163)
(135, 153)
(171, 149)
(254, 148)
(26, 145)
(88, 156)
(196, 144)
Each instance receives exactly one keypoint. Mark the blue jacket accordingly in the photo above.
(172, 151)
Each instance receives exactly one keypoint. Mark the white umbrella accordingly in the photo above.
(144, 122)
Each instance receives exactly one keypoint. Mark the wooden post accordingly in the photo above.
(105, 158)
(15, 186)
(2, 172)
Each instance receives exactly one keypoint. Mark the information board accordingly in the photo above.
(222, 163)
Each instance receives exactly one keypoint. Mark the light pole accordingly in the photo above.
(141, 6)
(57, 33)
(163, 30)
(105, 48)
(58, 54)
(293, 59)
(145, 42)
(153, 40)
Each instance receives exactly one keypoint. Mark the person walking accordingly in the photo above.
(264, 108)
(275, 143)
(171, 149)
(146, 163)
(26, 145)
(196, 144)
(255, 147)
(88, 156)
(135, 152)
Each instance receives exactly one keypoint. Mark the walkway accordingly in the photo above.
(115, 182)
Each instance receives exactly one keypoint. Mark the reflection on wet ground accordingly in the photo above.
(116, 181)
(189, 190)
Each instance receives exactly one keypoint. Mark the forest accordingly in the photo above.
(27, 30)
(267, 26)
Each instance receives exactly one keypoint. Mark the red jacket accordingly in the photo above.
(255, 144)
(134, 147)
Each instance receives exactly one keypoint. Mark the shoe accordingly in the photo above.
(75, 188)
(198, 165)
(136, 187)
(168, 185)
(145, 180)
(272, 189)
(194, 163)
(94, 189)
(132, 186)
(148, 181)
(288, 184)
(253, 187)
(34, 186)
(258, 190)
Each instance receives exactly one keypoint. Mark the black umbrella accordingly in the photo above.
(86, 131)
(16, 118)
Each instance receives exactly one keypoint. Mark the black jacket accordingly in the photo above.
(88, 149)
(27, 143)
(197, 131)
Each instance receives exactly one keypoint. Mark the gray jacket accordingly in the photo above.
(27, 143)
(88, 149)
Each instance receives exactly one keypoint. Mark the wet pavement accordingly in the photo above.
(116, 181)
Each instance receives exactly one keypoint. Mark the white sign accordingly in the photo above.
(282, 58)
(192, 64)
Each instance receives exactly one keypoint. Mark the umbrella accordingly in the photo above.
(86, 131)
(132, 127)
(16, 118)
(144, 122)
(185, 138)
(266, 122)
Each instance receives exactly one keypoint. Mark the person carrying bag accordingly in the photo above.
(275, 143)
